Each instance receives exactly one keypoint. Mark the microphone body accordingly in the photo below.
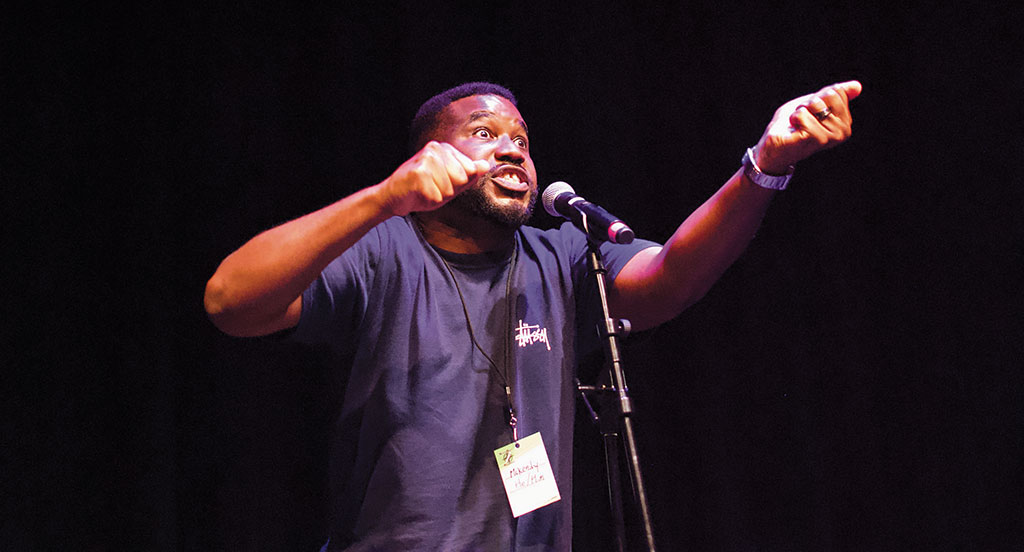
(560, 200)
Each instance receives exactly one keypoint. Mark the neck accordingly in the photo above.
(452, 231)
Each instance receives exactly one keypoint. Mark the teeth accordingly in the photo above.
(512, 177)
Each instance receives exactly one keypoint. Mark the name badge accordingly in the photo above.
(527, 475)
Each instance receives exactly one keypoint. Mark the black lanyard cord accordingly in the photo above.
(504, 376)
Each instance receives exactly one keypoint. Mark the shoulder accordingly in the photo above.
(563, 249)
(568, 245)
(390, 242)
(394, 234)
(398, 229)
(564, 239)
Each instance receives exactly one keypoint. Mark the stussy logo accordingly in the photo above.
(528, 335)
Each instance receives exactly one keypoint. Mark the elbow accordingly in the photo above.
(229, 310)
(213, 297)
(691, 297)
(653, 309)
(681, 301)
(217, 304)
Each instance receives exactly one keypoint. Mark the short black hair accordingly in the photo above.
(428, 117)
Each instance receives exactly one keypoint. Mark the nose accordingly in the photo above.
(507, 151)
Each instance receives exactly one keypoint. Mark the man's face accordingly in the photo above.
(490, 128)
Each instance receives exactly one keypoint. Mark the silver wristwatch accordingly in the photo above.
(753, 172)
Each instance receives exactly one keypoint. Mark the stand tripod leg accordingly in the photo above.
(611, 463)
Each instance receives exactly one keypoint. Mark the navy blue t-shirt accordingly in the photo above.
(411, 458)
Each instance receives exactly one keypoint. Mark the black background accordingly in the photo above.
(852, 383)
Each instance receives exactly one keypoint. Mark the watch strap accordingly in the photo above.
(754, 174)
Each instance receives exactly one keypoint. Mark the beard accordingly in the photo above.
(510, 215)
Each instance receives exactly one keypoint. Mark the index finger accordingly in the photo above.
(837, 97)
(851, 89)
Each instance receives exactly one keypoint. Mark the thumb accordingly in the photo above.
(481, 166)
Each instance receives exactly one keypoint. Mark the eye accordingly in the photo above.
(483, 133)
(521, 142)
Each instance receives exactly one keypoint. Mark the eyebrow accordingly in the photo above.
(483, 114)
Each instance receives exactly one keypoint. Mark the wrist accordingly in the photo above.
(768, 164)
(386, 201)
(765, 178)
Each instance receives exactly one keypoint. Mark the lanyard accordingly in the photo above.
(504, 376)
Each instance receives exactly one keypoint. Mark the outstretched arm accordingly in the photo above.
(658, 283)
(257, 290)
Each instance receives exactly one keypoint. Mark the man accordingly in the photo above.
(457, 325)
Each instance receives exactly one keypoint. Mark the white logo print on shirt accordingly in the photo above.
(528, 335)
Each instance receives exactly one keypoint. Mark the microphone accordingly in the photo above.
(560, 200)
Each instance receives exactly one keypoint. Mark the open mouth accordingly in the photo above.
(511, 178)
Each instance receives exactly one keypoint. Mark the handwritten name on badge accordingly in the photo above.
(527, 475)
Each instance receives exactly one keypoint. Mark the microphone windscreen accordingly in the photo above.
(551, 192)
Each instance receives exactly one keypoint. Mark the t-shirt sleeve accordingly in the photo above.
(615, 256)
(334, 304)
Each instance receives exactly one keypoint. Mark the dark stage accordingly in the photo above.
(853, 382)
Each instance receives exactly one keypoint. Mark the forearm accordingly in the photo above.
(655, 287)
(257, 289)
(712, 238)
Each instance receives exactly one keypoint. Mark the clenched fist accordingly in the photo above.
(430, 178)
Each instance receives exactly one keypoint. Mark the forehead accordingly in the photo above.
(471, 108)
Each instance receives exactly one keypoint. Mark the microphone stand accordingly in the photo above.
(616, 411)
